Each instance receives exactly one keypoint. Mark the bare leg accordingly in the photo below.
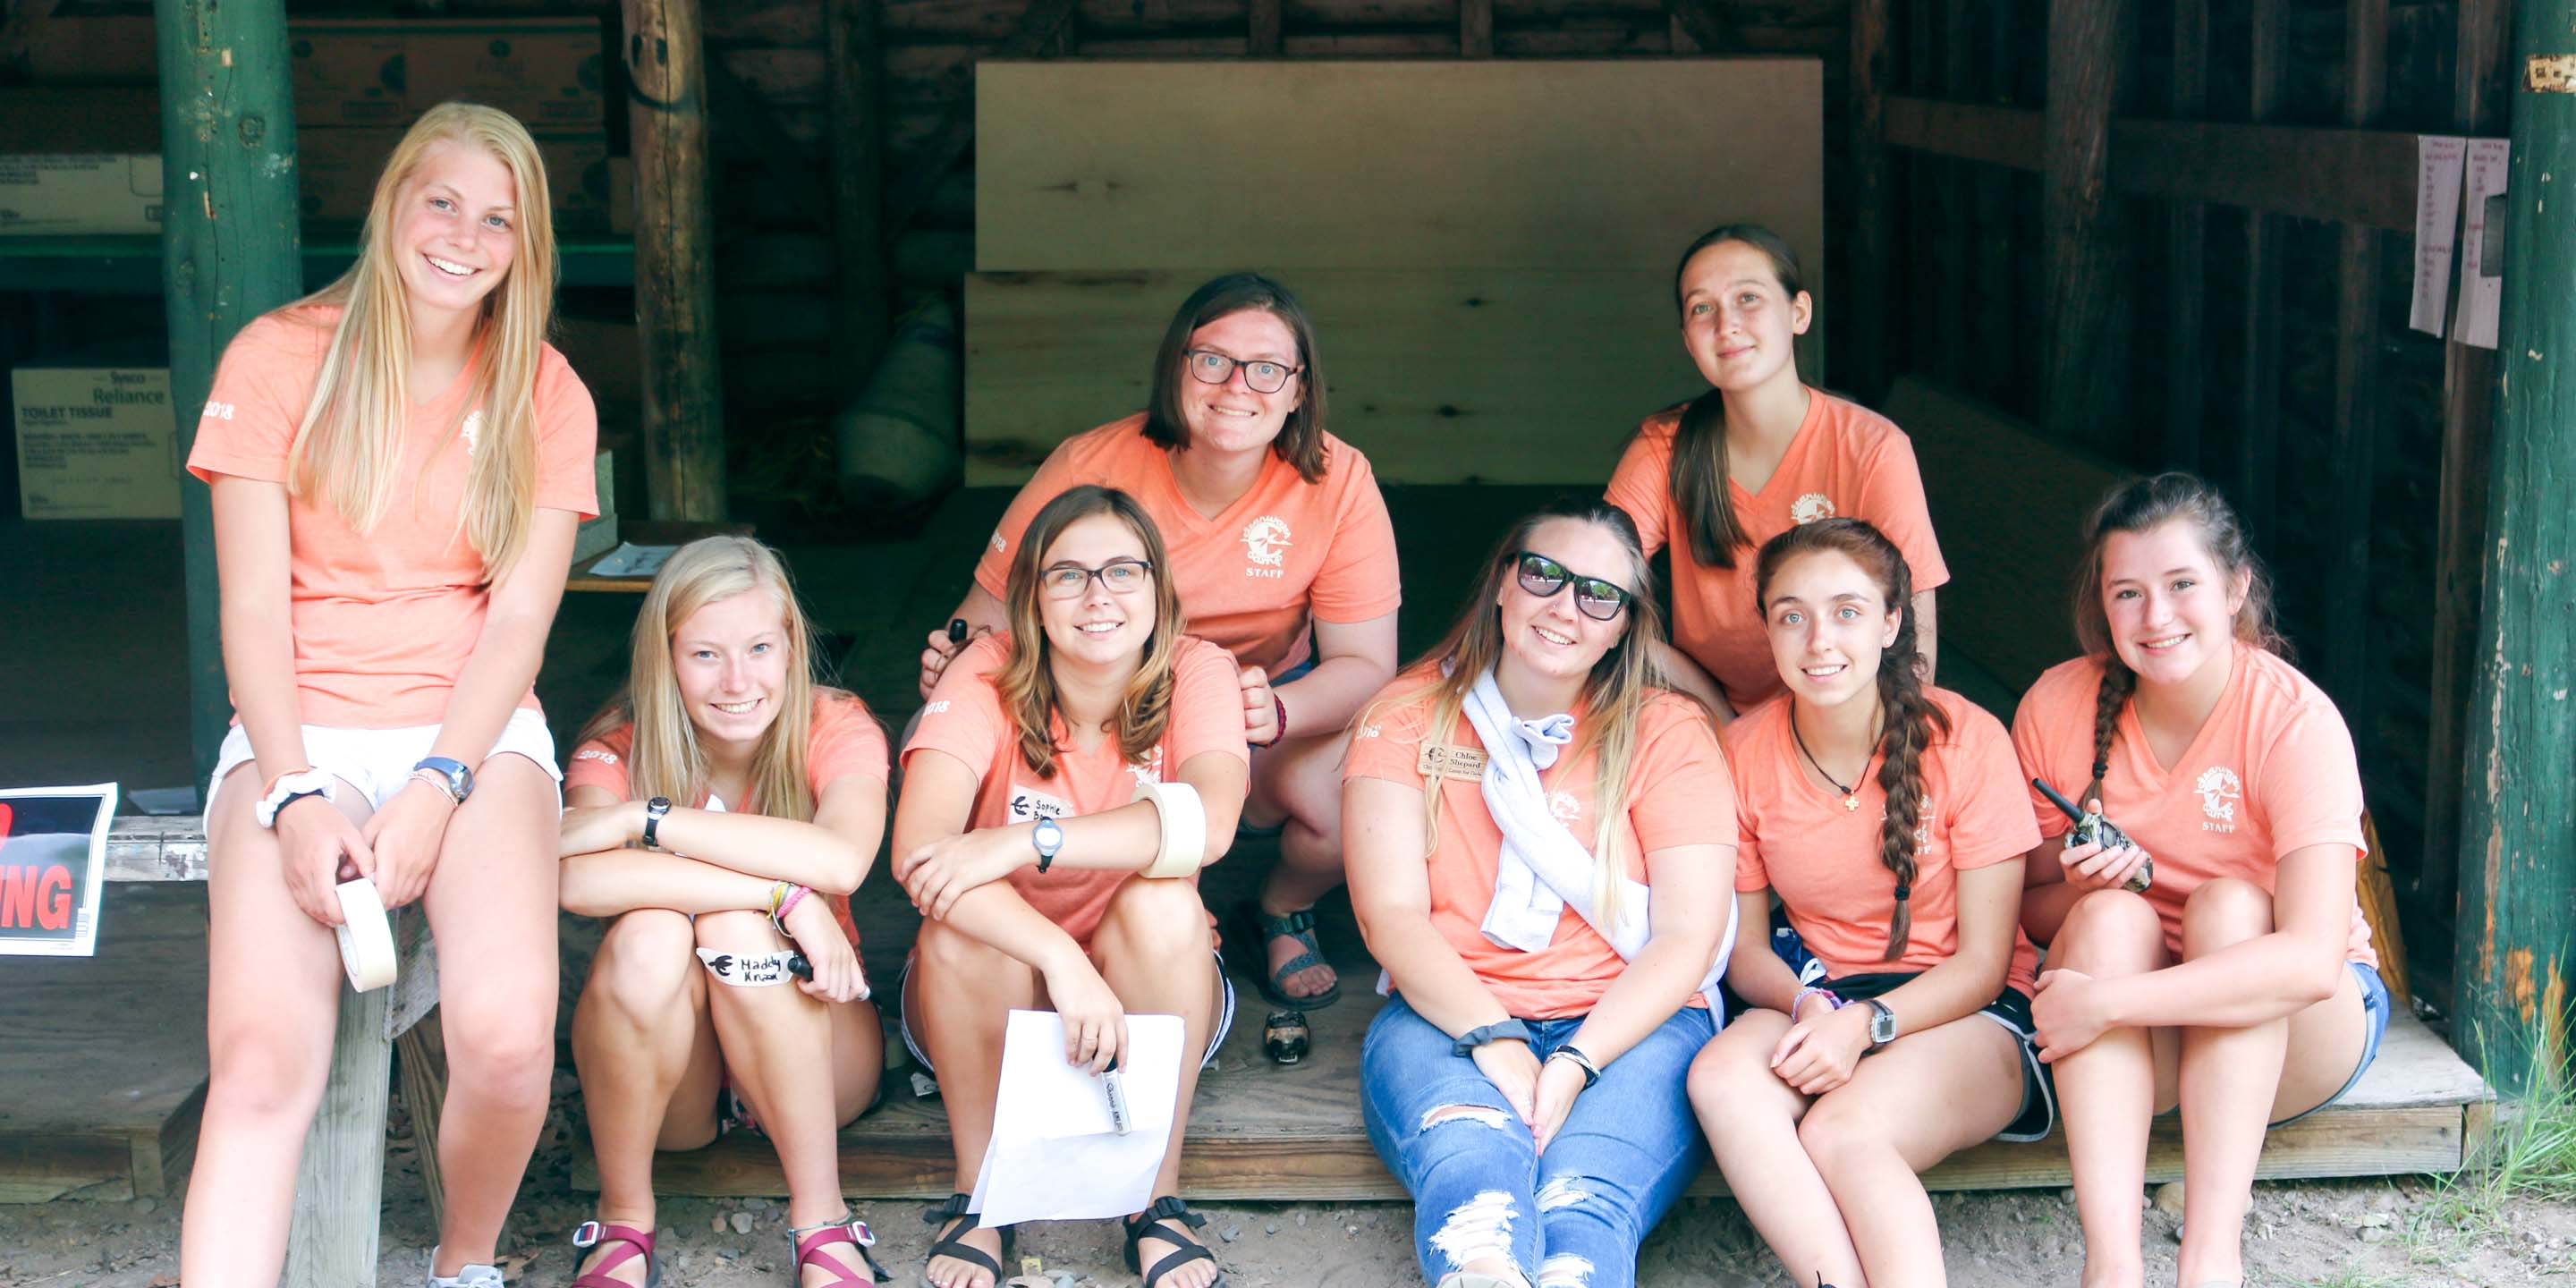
(272, 1003)
(1154, 949)
(1751, 1120)
(2107, 1092)
(1299, 785)
(491, 904)
(1923, 1097)
(962, 992)
(646, 1052)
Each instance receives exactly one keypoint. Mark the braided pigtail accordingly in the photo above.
(2118, 682)
(1913, 723)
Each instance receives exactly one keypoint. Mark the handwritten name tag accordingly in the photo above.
(1439, 761)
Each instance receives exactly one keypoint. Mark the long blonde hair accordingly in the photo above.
(665, 757)
(348, 450)
(1027, 685)
(1614, 694)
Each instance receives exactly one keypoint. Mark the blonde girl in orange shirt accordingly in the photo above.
(2241, 984)
(398, 462)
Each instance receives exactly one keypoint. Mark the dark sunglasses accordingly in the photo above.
(1602, 601)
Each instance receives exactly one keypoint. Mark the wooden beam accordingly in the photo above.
(1714, 32)
(1035, 34)
(2468, 408)
(736, 110)
(1865, 371)
(1475, 28)
(2000, 311)
(862, 295)
(2004, 136)
(675, 295)
(2352, 451)
(2186, 254)
(1954, 294)
(229, 252)
(1264, 24)
(2250, 470)
(2511, 962)
(2080, 228)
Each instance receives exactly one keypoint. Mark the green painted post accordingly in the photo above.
(229, 252)
(2518, 819)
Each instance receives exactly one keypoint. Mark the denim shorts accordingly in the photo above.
(2375, 1005)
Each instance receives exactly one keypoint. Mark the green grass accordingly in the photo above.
(2529, 1154)
(2354, 1277)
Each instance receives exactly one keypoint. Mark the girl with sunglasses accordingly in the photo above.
(1282, 554)
(722, 809)
(1759, 453)
(1541, 841)
(1890, 818)
(1046, 877)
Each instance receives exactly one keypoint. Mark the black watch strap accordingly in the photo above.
(1468, 1041)
(654, 809)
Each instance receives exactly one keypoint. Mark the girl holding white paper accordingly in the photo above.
(398, 462)
(1541, 842)
(1046, 877)
(722, 808)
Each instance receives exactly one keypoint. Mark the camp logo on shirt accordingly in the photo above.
(600, 754)
(1564, 807)
(472, 430)
(1265, 542)
(2219, 790)
(1811, 507)
(998, 544)
(1150, 770)
(1029, 803)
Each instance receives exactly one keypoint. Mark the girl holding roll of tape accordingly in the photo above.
(1542, 842)
(720, 811)
(2241, 984)
(1068, 780)
(398, 462)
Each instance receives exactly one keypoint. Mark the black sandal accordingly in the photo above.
(1261, 928)
(950, 1241)
(1149, 1224)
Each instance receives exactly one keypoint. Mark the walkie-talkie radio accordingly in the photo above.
(2093, 829)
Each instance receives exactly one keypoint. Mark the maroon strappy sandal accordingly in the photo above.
(639, 1243)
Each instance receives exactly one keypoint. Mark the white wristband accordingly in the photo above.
(1184, 844)
(366, 936)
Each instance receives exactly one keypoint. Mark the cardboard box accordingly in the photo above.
(548, 72)
(78, 194)
(96, 443)
(348, 73)
(91, 49)
(339, 169)
(64, 119)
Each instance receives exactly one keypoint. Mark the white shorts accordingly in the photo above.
(379, 761)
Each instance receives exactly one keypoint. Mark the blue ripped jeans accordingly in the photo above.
(1571, 1218)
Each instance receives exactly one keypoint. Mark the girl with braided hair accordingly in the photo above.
(2241, 983)
(1889, 817)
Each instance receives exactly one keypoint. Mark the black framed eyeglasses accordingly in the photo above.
(1214, 368)
(1118, 576)
(1600, 600)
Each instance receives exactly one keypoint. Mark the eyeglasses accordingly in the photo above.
(1214, 368)
(1602, 601)
(1118, 576)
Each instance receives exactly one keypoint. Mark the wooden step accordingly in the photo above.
(105, 1058)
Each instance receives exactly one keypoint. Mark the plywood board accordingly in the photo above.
(1438, 375)
(1396, 164)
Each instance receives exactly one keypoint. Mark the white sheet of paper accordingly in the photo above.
(2481, 294)
(2439, 161)
(1053, 1156)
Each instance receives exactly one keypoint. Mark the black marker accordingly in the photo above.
(1114, 1086)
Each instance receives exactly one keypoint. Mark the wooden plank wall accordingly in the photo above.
(2268, 351)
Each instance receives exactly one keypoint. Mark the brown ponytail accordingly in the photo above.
(1912, 723)
(1698, 475)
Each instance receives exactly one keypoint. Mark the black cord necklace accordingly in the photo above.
(1851, 794)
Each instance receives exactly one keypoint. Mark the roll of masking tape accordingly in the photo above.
(1184, 845)
(366, 936)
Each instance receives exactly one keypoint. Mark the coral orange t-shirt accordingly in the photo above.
(383, 621)
(965, 718)
(1823, 861)
(1845, 460)
(842, 740)
(1251, 579)
(1678, 794)
(2271, 771)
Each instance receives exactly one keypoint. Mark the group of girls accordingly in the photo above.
(1540, 820)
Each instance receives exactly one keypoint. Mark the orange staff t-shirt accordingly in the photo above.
(1678, 794)
(383, 621)
(2271, 771)
(965, 718)
(842, 740)
(1845, 460)
(1251, 579)
(1823, 861)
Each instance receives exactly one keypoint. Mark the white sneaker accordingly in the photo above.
(468, 1276)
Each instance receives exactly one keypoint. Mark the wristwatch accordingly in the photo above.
(289, 789)
(1468, 1041)
(654, 809)
(458, 779)
(1048, 837)
(1882, 1024)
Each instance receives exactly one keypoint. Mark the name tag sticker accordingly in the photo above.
(1440, 761)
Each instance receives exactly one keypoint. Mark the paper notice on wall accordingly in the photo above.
(2481, 267)
(2439, 159)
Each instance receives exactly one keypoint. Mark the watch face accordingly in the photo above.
(1049, 835)
(1882, 1024)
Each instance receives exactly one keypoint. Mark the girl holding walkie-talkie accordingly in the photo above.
(2240, 984)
